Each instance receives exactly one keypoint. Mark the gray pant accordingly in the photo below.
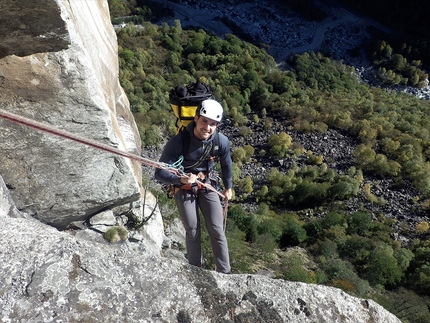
(210, 206)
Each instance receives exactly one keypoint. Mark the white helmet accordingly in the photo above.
(210, 109)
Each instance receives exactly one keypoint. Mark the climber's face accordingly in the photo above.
(204, 128)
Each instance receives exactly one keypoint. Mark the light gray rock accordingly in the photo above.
(103, 218)
(7, 206)
(70, 83)
(175, 232)
(49, 276)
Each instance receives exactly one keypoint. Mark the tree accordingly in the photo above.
(238, 155)
(332, 219)
(279, 144)
(397, 62)
(293, 233)
(360, 223)
(118, 8)
(238, 215)
(245, 185)
(294, 270)
(364, 155)
(383, 268)
(344, 188)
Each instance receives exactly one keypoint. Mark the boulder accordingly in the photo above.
(48, 275)
(59, 66)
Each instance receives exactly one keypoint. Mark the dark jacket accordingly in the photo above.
(173, 150)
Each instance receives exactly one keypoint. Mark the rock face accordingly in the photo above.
(59, 66)
(48, 276)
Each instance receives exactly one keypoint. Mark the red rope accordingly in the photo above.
(64, 134)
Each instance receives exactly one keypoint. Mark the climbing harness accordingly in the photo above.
(175, 168)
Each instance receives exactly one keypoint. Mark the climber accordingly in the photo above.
(200, 144)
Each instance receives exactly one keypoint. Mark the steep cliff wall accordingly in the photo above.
(59, 65)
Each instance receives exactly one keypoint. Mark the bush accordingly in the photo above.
(244, 131)
(332, 219)
(405, 304)
(271, 226)
(293, 234)
(249, 150)
(238, 155)
(344, 188)
(357, 250)
(422, 228)
(116, 234)
(383, 268)
(360, 223)
(294, 271)
(245, 185)
(279, 144)
(342, 275)
(238, 215)
(328, 249)
(266, 243)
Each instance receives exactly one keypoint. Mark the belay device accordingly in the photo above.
(184, 101)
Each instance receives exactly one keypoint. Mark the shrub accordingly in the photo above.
(238, 155)
(238, 215)
(314, 160)
(405, 304)
(336, 233)
(272, 227)
(245, 185)
(344, 188)
(293, 270)
(332, 219)
(328, 249)
(266, 243)
(279, 144)
(344, 285)
(341, 272)
(422, 228)
(244, 131)
(116, 234)
(383, 268)
(360, 223)
(293, 234)
(357, 250)
(236, 173)
(249, 150)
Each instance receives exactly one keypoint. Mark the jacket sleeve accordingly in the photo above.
(226, 163)
(170, 155)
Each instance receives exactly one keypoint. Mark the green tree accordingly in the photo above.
(294, 270)
(360, 223)
(364, 155)
(279, 144)
(333, 219)
(293, 233)
(383, 268)
(238, 155)
(245, 185)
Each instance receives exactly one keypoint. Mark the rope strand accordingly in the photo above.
(175, 168)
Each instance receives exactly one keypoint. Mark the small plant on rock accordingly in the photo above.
(116, 234)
